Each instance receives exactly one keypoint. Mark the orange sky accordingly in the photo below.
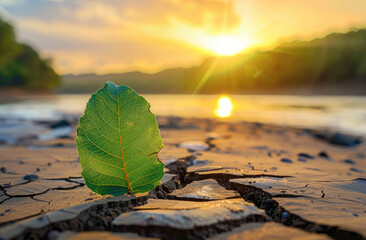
(149, 35)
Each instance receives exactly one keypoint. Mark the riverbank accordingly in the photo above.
(11, 94)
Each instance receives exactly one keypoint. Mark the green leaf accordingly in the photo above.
(118, 142)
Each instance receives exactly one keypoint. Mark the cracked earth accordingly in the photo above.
(222, 181)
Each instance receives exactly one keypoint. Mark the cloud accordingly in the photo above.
(212, 15)
(157, 27)
(117, 35)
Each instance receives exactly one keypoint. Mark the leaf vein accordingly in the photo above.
(120, 141)
(99, 147)
(111, 95)
(140, 168)
(96, 106)
(112, 165)
(131, 108)
(128, 95)
(101, 132)
(101, 97)
(132, 128)
(139, 154)
(111, 175)
(145, 176)
(144, 184)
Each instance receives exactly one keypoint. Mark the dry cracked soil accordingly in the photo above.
(222, 181)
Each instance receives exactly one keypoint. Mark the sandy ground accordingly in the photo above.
(223, 181)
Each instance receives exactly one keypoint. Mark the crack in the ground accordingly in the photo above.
(191, 199)
(4, 190)
(232, 176)
(97, 216)
(22, 183)
(289, 196)
(68, 179)
(262, 199)
(100, 216)
(22, 218)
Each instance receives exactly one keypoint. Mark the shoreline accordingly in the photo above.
(175, 122)
(343, 114)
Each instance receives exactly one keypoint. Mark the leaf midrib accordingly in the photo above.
(120, 142)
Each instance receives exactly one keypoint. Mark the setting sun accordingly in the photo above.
(224, 107)
(227, 45)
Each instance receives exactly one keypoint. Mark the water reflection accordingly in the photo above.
(224, 107)
(342, 113)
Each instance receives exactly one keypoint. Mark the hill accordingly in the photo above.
(335, 64)
(21, 65)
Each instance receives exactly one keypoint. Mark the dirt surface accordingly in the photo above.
(222, 181)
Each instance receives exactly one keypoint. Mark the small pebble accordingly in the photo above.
(249, 166)
(305, 155)
(349, 161)
(342, 139)
(301, 159)
(261, 147)
(49, 164)
(30, 177)
(3, 170)
(285, 215)
(286, 160)
(356, 170)
(323, 154)
(21, 162)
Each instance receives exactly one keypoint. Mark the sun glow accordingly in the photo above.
(224, 107)
(227, 45)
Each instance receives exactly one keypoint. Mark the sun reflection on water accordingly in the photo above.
(224, 107)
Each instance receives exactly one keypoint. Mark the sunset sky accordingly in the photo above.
(83, 36)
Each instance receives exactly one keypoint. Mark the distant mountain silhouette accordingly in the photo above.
(335, 64)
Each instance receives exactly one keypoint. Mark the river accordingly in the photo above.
(340, 113)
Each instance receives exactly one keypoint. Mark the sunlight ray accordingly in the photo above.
(205, 77)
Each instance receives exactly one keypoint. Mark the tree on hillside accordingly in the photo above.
(21, 65)
(8, 46)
